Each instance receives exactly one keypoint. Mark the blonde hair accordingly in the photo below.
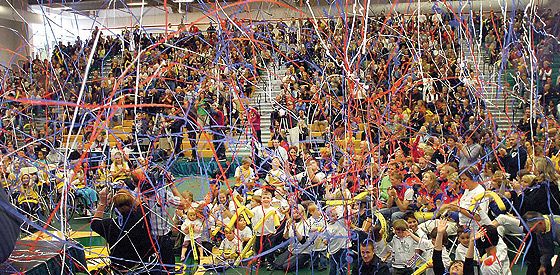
(433, 179)
(529, 178)
(312, 207)
(400, 224)
(325, 151)
(187, 195)
(545, 170)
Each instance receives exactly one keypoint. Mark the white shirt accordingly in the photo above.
(279, 204)
(461, 253)
(234, 245)
(244, 233)
(481, 209)
(281, 153)
(259, 213)
(382, 249)
(500, 265)
(336, 235)
(403, 251)
(302, 228)
(275, 177)
(316, 226)
(197, 229)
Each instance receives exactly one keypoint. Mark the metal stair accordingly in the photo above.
(494, 100)
(267, 89)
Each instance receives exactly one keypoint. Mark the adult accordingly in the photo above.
(159, 194)
(400, 198)
(467, 216)
(543, 197)
(217, 124)
(279, 151)
(514, 156)
(470, 152)
(254, 119)
(546, 228)
(127, 235)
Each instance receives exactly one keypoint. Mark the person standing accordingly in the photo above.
(159, 193)
(254, 119)
(127, 236)
(218, 135)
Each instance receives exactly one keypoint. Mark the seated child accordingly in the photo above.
(231, 246)
(242, 231)
(463, 235)
(425, 249)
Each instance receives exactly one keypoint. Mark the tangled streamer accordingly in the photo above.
(320, 133)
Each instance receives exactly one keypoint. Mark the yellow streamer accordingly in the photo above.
(488, 194)
(422, 268)
(193, 244)
(383, 224)
(356, 198)
(241, 209)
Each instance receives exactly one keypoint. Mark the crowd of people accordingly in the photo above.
(411, 173)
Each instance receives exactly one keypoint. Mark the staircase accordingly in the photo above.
(487, 90)
(269, 86)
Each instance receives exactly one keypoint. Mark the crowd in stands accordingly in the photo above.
(411, 171)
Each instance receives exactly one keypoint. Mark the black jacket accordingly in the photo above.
(542, 197)
(375, 267)
(129, 242)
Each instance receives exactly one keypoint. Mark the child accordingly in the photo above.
(381, 247)
(337, 241)
(463, 235)
(317, 224)
(402, 247)
(192, 221)
(220, 210)
(412, 223)
(245, 175)
(265, 226)
(276, 175)
(230, 246)
(243, 232)
(457, 267)
(425, 249)
(495, 260)
(296, 232)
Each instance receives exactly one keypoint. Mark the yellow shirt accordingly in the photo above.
(27, 195)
